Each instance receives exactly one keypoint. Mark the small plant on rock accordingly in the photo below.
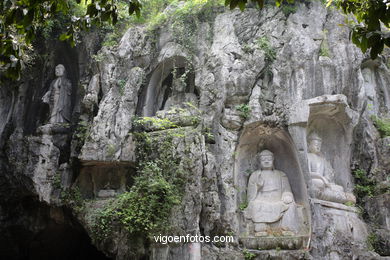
(243, 205)
(82, 131)
(244, 110)
(248, 255)
(264, 45)
(365, 186)
(121, 86)
(383, 125)
(72, 197)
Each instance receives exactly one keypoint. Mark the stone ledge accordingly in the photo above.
(273, 242)
(334, 205)
(281, 254)
(106, 163)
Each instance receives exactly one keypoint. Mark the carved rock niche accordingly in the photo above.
(332, 121)
(328, 119)
(104, 180)
(289, 227)
(161, 87)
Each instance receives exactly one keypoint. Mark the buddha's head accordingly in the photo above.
(314, 143)
(60, 70)
(266, 160)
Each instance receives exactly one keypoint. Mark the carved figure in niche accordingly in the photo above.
(179, 96)
(271, 204)
(322, 175)
(59, 97)
(109, 184)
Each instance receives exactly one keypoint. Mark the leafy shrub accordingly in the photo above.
(248, 255)
(121, 86)
(244, 109)
(157, 123)
(383, 125)
(288, 9)
(146, 207)
(82, 131)
(372, 242)
(72, 198)
(365, 186)
(264, 45)
(158, 187)
(243, 205)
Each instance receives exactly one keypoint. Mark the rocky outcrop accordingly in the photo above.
(264, 80)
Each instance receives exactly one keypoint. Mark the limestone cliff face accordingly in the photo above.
(263, 80)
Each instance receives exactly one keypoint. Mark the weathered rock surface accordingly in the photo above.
(261, 83)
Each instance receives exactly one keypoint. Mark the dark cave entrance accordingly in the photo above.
(32, 230)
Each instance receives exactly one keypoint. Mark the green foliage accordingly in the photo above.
(242, 3)
(365, 186)
(21, 20)
(324, 51)
(153, 122)
(264, 45)
(246, 48)
(243, 205)
(367, 33)
(209, 137)
(383, 125)
(98, 57)
(372, 242)
(158, 187)
(248, 255)
(72, 198)
(184, 19)
(244, 109)
(349, 204)
(57, 181)
(111, 39)
(364, 190)
(145, 208)
(324, 48)
(82, 131)
(121, 85)
(288, 9)
(101, 223)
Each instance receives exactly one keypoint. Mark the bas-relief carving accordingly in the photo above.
(59, 97)
(180, 107)
(177, 99)
(171, 85)
(322, 174)
(325, 118)
(179, 96)
(108, 183)
(271, 204)
(103, 181)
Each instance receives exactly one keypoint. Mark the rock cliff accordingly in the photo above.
(128, 166)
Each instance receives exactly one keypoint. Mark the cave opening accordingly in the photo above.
(32, 230)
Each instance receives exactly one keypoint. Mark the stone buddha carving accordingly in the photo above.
(271, 203)
(179, 96)
(59, 97)
(109, 184)
(322, 175)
